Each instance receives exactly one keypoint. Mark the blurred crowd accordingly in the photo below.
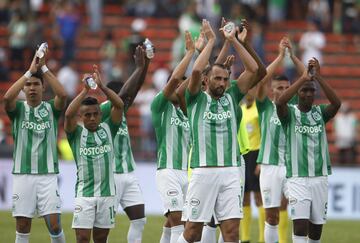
(26, 21)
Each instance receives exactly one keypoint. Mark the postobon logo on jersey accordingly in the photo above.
(208, 115)
(275, 121)
(35, 126)
(308, 129)
(177, 122)
(95, 150)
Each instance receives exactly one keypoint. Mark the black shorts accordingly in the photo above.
(251, 180)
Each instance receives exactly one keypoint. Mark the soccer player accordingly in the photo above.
(128, 192)
(214, 117)
(307, 154)
(92, 146)
(272, 151)
(34, 128)
(173, 138)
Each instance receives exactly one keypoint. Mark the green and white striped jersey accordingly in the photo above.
(123, 159)
(273, 143)
(307, 152)
(172, 134)
(35, 130)
(214, 125)
(94, 153)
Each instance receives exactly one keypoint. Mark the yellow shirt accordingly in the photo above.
(251, 118)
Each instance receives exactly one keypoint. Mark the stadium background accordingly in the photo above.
(159, 22)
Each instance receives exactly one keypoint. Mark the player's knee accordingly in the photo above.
(83, 238)
(174, 218)
(301, 227)
(23, 226)
(193, 231)
(272, 217)
(55, 229)
(230, 234)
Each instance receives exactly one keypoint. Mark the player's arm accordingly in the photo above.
(70, 122)
(299, 66)
(12, 93)
(56, 86)
(261, 91)
(179, 71)
(244, 39)
(335, 102)
(194, 86)
(281, 103)
(117, 103)
(131, 87)
(221, 58)
(244, 80)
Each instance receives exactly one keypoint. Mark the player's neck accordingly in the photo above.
(304, 107)
(33, 103)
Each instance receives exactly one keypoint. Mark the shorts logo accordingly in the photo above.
(15, 197)
(266, 195)
(194, 202)
(292, 201)
(172, 193)
(78, 209)
(174, 202)
(194, 213)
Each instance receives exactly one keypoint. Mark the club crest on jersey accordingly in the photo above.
(43, 112)
(224, 101)
(316, 116)
(102, 134)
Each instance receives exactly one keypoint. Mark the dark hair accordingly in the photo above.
(280, 78)
(38, 75)
(115, 86)
(220, 65)
(89, 101)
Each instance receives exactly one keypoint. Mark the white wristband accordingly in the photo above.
(28, 74)
(44, 69)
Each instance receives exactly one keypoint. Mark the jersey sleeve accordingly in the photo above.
(159, 103)
(56, 112)
(192, 98)
(105, 108)
(113, 126)
(325, 117)
(12, 114)
(71, 136)
(286, 120)
(262, 105)
(234, 91)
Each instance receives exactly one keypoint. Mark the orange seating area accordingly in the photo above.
(341, 59)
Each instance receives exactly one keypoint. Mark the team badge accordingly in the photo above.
(223, 101)
(316, 116)
(102, 134)
(43, 112)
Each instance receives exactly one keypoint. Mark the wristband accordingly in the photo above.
(44, 69)
(28, 74)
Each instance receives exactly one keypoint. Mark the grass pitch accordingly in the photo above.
(334, 231)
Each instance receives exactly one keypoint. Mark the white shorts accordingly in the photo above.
(172, 185)
(272, 185)
(128, 191)
(93, 212)
(213, 190)
(308, 198)
(35, 195)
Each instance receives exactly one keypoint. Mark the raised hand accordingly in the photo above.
(86, 76)
(315, 65)
(33, 66)
(208, 31)
(139, 57)
(97, 77)
(229, 61)
(230, 36)
(189, 44)
(282, 46)
(221, 30)
(241, 35)
(200, 42)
